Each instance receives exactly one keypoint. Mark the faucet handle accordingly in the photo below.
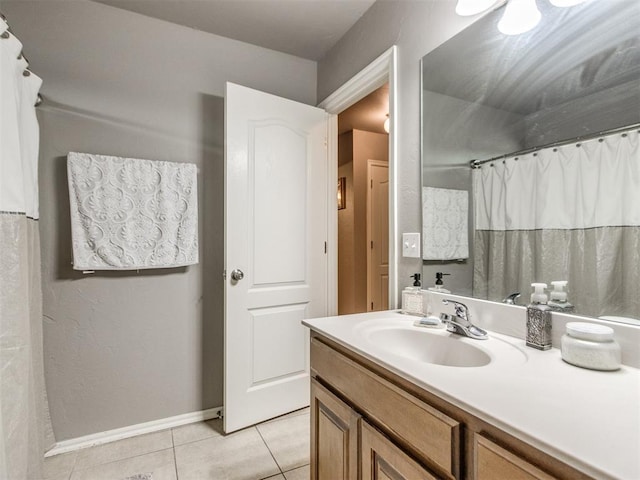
(461, 309)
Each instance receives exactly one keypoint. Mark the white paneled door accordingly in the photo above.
(276, 267)
(378, 236)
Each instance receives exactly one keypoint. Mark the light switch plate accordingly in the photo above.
(411, 245)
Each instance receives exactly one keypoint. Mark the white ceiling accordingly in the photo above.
(304, 28)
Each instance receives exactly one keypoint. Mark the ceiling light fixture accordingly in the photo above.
(466, 8)
(519, 16)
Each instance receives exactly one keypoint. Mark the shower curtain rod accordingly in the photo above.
(477, 163)
(5, 35)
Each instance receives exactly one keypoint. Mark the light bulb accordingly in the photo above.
(385, 125)
(519, 16)
(466, 8)
(565, 3)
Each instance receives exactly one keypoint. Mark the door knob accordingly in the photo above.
(237, 275)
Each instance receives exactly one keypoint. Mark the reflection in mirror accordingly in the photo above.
(531, 159)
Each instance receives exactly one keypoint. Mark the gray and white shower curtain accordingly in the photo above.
(25, 429)
(570, 212)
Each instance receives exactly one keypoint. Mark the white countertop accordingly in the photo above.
(587, 419)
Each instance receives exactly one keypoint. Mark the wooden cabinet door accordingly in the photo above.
(334, 436)
(383, 460)
(492, 462)
(433, 436)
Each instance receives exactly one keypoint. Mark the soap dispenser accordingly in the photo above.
(412, 299)
(539, 319)
(558, 297)
(439, 285)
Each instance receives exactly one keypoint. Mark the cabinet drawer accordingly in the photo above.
(426, 432)
(492, 462)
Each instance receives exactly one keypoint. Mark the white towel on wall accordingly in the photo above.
(130, 214)
(445, 219)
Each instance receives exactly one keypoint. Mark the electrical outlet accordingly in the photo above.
(411, 245)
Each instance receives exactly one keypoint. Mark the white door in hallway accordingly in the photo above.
(378, 236)
(275, 258)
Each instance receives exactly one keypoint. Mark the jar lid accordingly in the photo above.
(590, 331)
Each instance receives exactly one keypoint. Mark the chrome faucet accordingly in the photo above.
(511, 299)
(460, 322)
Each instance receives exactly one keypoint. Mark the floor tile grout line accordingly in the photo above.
(122, 459)
(296, 468)
(73, 468)
(269, 450)
(175, 462)
(173, 449)
(216, 435)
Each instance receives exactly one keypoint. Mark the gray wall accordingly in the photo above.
(125, 348)
(416, 27)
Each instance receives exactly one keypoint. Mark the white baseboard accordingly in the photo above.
(94, 439)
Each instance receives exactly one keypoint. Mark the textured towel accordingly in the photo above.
(445, 219)
(129, 214)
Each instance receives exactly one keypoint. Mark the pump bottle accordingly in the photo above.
(558, 297)
(539, 319)
(412, 300)
(439, 285)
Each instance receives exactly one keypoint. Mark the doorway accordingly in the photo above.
(380, 72)
(363, 210)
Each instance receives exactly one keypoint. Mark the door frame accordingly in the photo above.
(382, 70)
(371, 163)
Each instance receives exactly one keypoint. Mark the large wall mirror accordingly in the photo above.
(530, 158)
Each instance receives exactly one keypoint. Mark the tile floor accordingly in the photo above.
(276, 450)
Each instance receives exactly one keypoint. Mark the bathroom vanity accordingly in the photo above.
(383, 407)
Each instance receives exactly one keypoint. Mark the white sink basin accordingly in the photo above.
(422, 345)
(435, 346)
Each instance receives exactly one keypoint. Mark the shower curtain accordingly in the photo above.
(566, 213)
(25, 429)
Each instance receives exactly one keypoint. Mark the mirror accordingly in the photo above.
(551, 119)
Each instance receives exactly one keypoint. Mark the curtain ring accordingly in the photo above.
(26, 73)
(5, 34)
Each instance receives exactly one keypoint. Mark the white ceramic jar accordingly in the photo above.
(590, 345)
